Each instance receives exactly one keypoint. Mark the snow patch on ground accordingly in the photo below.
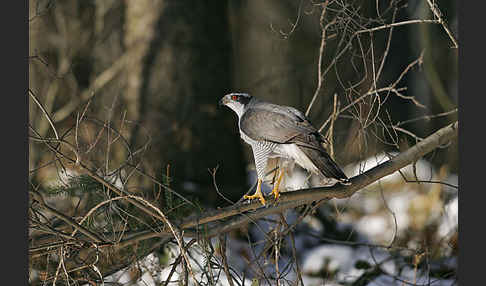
(450, 219)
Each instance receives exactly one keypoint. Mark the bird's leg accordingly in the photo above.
(276, 186)
(258, 193)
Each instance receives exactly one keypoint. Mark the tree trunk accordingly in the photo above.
(187, 70)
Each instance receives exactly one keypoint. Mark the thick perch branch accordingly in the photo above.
(297, 198)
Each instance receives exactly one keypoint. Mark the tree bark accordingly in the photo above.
(139, 30)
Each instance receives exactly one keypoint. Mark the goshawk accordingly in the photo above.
(276, 131)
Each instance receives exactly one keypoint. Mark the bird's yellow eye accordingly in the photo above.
(234, 97)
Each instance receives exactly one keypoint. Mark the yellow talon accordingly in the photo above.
(276, 186)
(258, 193)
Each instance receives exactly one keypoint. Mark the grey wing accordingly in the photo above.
(297, 113)
(279, 126)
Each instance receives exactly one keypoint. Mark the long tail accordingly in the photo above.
(325, 164)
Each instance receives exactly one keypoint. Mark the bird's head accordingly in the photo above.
(236, 101)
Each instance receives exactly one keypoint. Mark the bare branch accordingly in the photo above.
(48, 117)
(321, 53)
(297, 198)
(441, 21)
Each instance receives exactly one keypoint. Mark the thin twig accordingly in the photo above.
(437, 14)
(222, 248)
(93, 236)
(387, 26)
(321, 53)
(46, 114)
(213, 174)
